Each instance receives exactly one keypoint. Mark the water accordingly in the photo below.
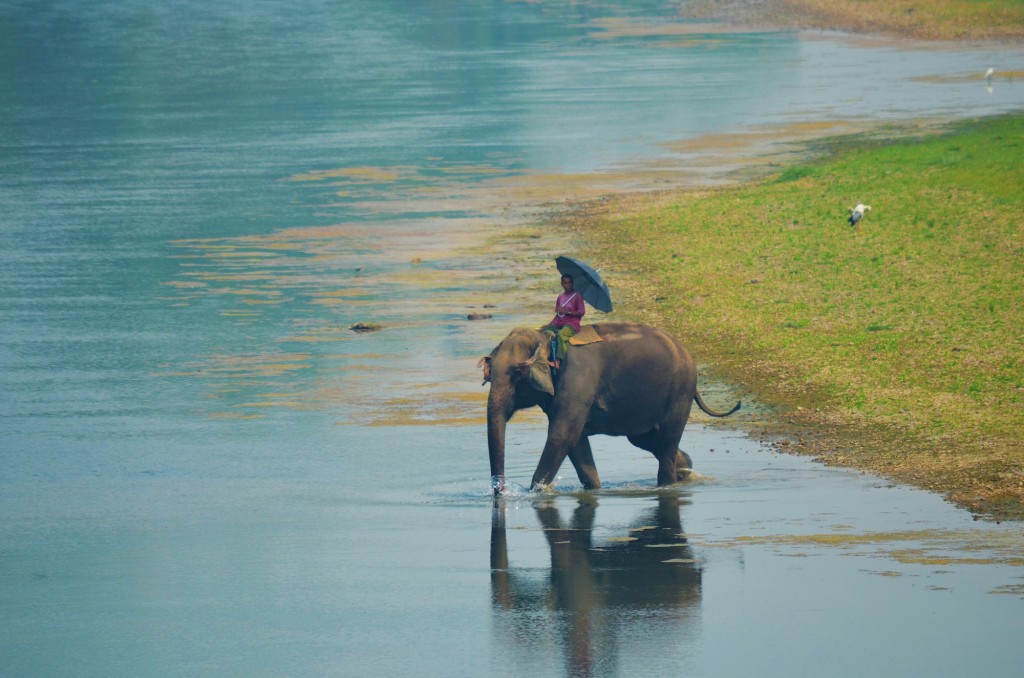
(203, 470)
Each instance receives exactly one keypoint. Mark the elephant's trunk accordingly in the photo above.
(497, 421)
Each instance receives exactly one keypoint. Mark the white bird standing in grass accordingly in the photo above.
(856, 213)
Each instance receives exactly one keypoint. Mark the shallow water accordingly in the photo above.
(203, 470)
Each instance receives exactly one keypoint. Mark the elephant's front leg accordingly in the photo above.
(550, 461)
(564, 434)
(582, 458)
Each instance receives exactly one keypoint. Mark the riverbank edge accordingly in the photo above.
(787, 420)
(920, 20)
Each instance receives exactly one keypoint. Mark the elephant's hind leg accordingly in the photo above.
(673, 463)
(582, 458)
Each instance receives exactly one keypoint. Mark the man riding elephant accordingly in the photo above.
(637, 381)
(569, 310)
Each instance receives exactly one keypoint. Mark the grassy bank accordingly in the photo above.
(897, 343)
(919, 19)
(922, 19)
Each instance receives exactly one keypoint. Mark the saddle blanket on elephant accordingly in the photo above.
(586, 335)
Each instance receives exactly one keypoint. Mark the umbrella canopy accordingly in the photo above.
(587, 282)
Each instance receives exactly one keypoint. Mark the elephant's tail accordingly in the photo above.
(711, 413)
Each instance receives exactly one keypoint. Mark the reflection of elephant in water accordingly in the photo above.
(594, 588)
(638, 382)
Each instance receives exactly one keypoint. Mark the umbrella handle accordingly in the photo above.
(562, 315)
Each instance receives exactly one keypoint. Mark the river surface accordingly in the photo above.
(205, 471)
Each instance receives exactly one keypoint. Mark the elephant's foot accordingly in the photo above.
(542, 488)
(683, 461)
(675, 470)
(498, 485)
(684, 466)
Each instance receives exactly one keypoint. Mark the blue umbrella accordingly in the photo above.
(587, 281)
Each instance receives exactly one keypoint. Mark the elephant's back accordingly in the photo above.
(643, 375)
(639, 345)
(639, 333)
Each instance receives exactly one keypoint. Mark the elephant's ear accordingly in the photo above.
(539, 375)
(485, 364)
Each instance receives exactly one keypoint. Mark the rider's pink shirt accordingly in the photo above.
(575, 303)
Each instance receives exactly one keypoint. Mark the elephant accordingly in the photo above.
(636, 381)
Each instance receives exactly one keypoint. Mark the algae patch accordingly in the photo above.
(913, 547)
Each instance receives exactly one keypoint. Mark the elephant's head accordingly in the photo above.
(520, 377)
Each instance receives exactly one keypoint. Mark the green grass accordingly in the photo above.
(927, 19)
(907, 328)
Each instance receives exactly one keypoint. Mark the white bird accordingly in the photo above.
(856, 213)
(988, 74)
